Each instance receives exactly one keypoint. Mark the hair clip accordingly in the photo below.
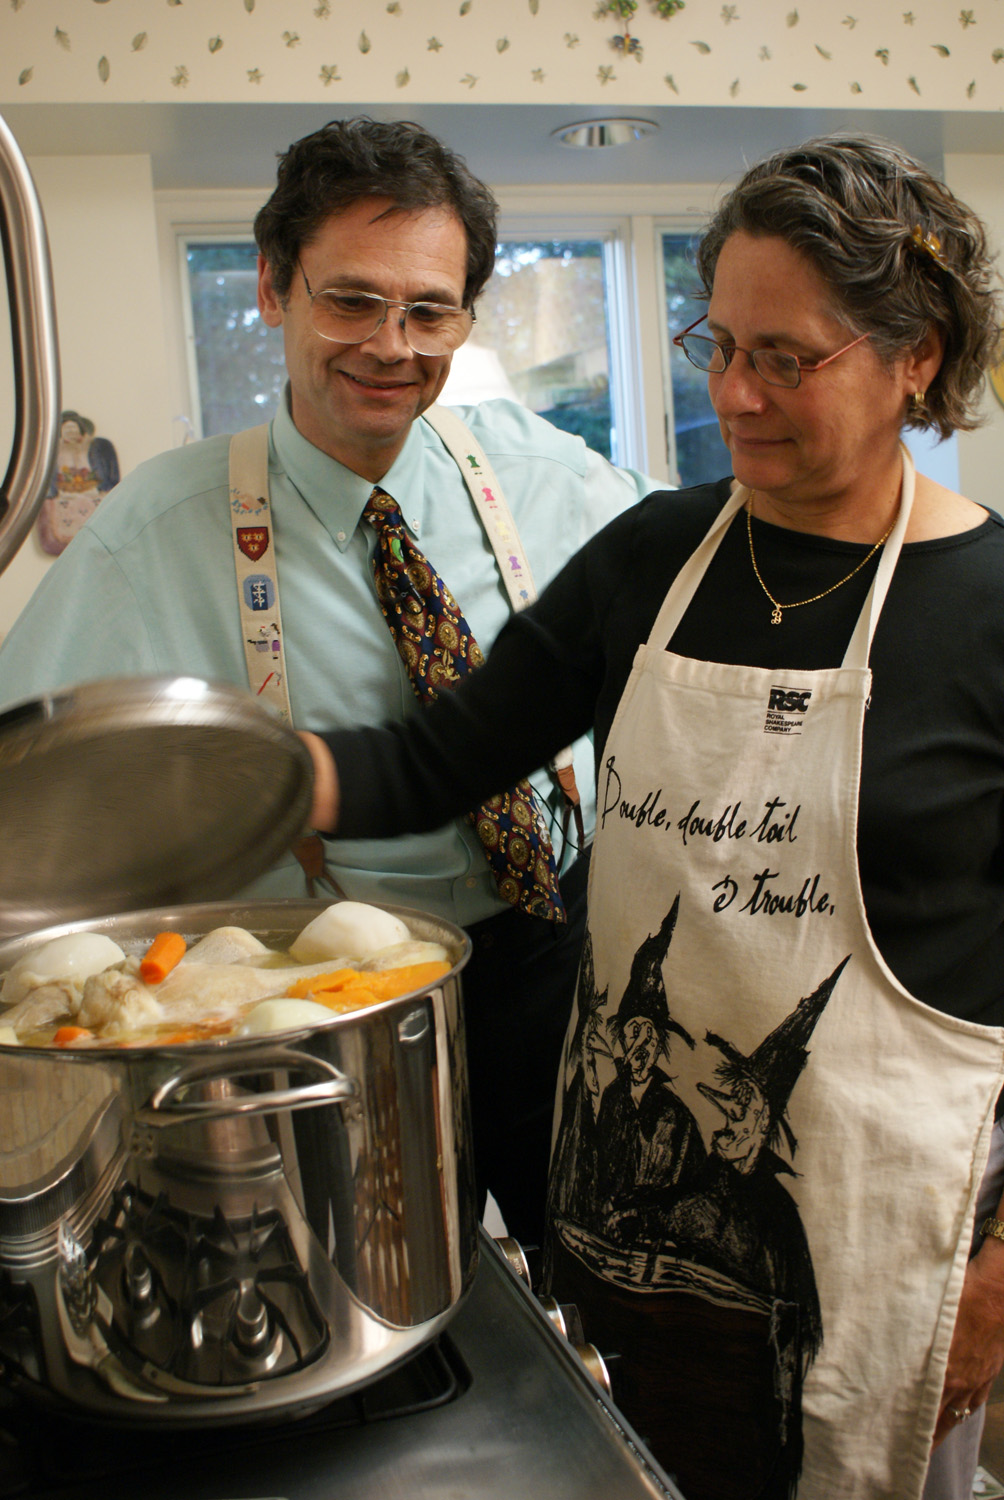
(929, 244)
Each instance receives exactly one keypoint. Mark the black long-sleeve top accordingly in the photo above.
(932, 783)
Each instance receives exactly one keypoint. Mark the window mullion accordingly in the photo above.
(642, 326)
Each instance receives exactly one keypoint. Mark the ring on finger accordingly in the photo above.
(960, 1415)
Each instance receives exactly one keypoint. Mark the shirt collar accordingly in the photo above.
(334, 493)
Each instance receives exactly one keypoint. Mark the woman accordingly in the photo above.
(779, 1088)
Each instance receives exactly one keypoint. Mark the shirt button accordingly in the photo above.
(471, 882)
(341, 536)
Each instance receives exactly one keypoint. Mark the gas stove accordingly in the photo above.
(499, 1407)
(210, 1300)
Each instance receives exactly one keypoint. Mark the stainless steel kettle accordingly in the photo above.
(35, 352)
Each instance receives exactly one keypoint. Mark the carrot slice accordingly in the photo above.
(383, 984)
(338, 979)
(356, 997)
(198, 1031)
(67, 1035)
(164, 953)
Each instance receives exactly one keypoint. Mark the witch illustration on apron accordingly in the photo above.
(766, 1151)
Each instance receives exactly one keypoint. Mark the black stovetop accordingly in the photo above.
(498, 1407)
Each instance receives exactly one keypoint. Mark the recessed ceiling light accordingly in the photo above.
(604, 132)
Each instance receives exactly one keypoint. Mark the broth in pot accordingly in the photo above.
(82, 990)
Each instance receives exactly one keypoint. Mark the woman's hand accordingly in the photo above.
(976, 1356)
(324, 807)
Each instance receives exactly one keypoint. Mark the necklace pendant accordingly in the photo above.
(775, 618)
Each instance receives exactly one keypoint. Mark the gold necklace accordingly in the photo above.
(775, 618)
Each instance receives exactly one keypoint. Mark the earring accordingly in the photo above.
(918, 404)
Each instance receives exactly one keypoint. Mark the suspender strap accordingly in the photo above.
(261, 622)
(500, 528)
(489, 502)
(257, 577)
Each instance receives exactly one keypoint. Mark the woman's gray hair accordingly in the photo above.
(899, 252)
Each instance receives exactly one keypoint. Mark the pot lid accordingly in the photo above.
(140, 792)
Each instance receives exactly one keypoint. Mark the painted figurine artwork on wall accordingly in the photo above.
(87, 467)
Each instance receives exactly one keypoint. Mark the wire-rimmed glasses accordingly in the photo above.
(347, 316)
(775, 366)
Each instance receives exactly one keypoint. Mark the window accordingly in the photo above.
(701, 456)
(541, 337)
(577, 321)
(238, 369)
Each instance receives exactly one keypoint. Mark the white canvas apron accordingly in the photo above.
(766, 1151)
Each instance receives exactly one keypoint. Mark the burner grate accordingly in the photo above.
(90, 1452)
(208, 1298)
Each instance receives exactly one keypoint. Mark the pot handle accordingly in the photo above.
(332, 1087)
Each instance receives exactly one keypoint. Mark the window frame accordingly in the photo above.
(206, 215)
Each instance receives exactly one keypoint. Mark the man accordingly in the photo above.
(374, 247)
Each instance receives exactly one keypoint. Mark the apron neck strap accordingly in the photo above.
(860, 644)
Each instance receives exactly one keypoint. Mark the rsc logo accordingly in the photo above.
(789, 701)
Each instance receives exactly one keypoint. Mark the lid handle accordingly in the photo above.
(35, 350)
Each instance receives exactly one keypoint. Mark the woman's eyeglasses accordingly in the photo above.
(772, 365)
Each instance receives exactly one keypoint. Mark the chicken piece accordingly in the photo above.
(401, 955)
(218, 992)
(229, 945)
(44, 1006)
(116, 1003)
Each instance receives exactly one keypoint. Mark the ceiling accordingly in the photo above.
(234, 145)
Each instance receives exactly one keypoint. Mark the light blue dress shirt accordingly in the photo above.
(148, 587)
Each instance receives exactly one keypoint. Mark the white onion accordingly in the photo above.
(73, 958)
(349, 929)
(282, 1015)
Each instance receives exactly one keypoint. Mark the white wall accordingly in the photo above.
(979, 181)
(100, 218)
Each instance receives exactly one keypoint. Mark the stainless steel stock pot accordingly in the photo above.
(208, 1232)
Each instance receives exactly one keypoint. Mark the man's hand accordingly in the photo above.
(977, 1352)
(324, 807)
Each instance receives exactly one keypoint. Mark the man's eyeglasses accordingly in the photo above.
(772, 365)
(349, 317)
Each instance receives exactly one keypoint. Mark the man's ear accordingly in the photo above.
(269, 304)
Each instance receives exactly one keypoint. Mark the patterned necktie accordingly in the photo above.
(437, 648)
